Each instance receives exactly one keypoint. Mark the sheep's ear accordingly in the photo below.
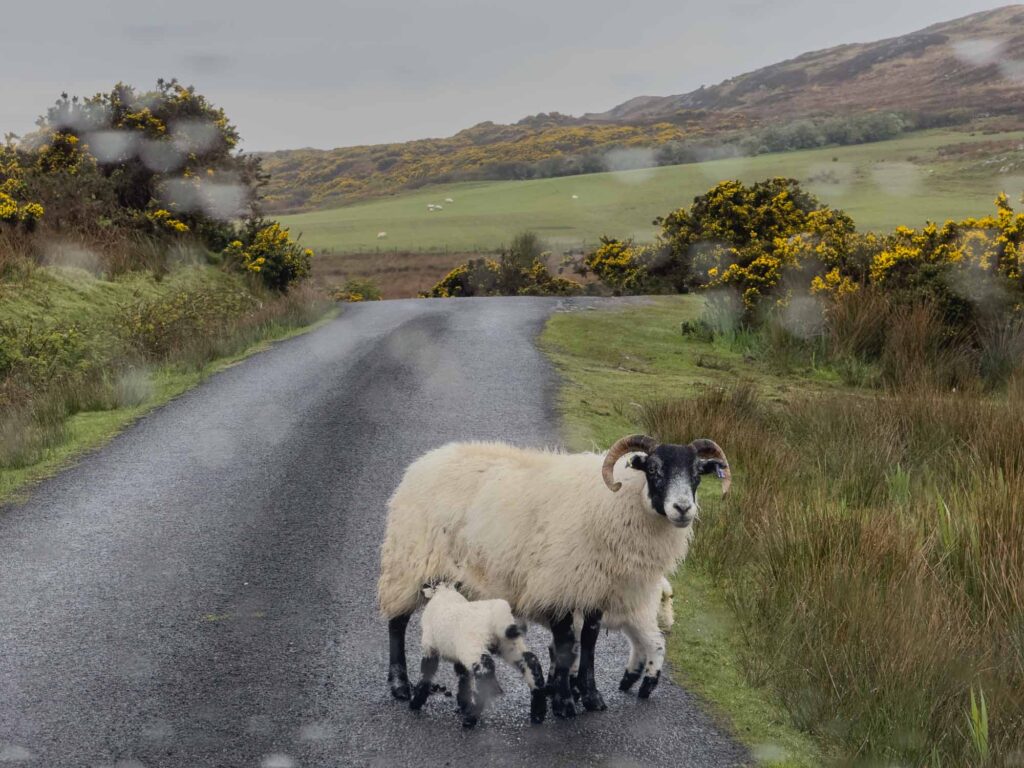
(707, 466)
(457, 586)
(638, 462)
(428, 591)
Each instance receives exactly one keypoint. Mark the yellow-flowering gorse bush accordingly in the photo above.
(269, 253)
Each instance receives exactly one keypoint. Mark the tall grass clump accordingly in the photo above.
(99, 358)
(874, 551)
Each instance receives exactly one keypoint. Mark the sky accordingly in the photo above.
(337, 73)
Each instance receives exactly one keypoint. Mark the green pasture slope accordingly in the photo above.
(902, 181)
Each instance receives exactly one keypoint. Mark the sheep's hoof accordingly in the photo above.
(593, 701)
(399, 681)
(563, 707)
(648, 685)
(574, 686)
(628, 680)
(420, 698)
(469, 721)
(538, 706)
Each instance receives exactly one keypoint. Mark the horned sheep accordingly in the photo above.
(466, 634)
(535, 528)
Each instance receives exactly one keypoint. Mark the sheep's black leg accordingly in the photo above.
(551, 668)
(428, 668)
(398, 676)
(592, 699)
(564, 638)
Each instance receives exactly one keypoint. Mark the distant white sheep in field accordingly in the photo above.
(381, 235)
(466, 634)
(575, 197)
(448, 200)
(537, 528)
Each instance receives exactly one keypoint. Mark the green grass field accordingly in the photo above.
(903, 181)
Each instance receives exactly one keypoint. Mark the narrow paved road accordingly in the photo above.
(201, 591)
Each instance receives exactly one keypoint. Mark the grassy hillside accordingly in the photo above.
(964, 64)
(948, 74)
(313, 178)
(926, 175)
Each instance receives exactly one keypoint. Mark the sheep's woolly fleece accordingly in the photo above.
(536, 528)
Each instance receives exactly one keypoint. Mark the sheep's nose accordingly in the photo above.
(681, 509)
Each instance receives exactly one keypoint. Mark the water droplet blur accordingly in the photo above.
(278, 760)
(12, 753)
(897, 179)
(314, 732)
(224, 201)
(980, 51)
(640, 163)
(111, 146)
(161, 156)
(70, 255)
(194, 136)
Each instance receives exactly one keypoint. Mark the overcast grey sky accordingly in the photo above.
(325, 74)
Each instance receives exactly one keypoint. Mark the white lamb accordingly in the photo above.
(538, 529)
(466, 634)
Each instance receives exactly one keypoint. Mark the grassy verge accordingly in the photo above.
(82, 357)
(864, 582)
(613, 361)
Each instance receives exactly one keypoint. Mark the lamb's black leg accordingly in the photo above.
(398, 676)
(483, 673)
(428, 668)
(592, 700)
(467, 696)
(564, 638)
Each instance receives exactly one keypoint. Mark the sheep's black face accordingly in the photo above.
(673, 473)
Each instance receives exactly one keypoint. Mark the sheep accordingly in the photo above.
(381, 235)
(449, 200)
(466, 634)
(534, 528)
(575, 197)
(664, 617)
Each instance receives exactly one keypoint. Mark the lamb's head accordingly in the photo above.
(673, 473)
(449, 589)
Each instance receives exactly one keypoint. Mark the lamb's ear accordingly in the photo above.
(457, 586)
(638, 462)
(428, 591)
(707, 466)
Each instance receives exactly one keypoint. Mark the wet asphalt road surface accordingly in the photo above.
(200, 592)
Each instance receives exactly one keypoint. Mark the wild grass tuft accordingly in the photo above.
(873, 551)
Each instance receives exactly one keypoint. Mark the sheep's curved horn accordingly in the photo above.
(709, 449)
(630, 444)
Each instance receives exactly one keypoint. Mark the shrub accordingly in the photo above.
(268, 252)
(520, 271)
(622, 266)
(165, 327)
(358, 289)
